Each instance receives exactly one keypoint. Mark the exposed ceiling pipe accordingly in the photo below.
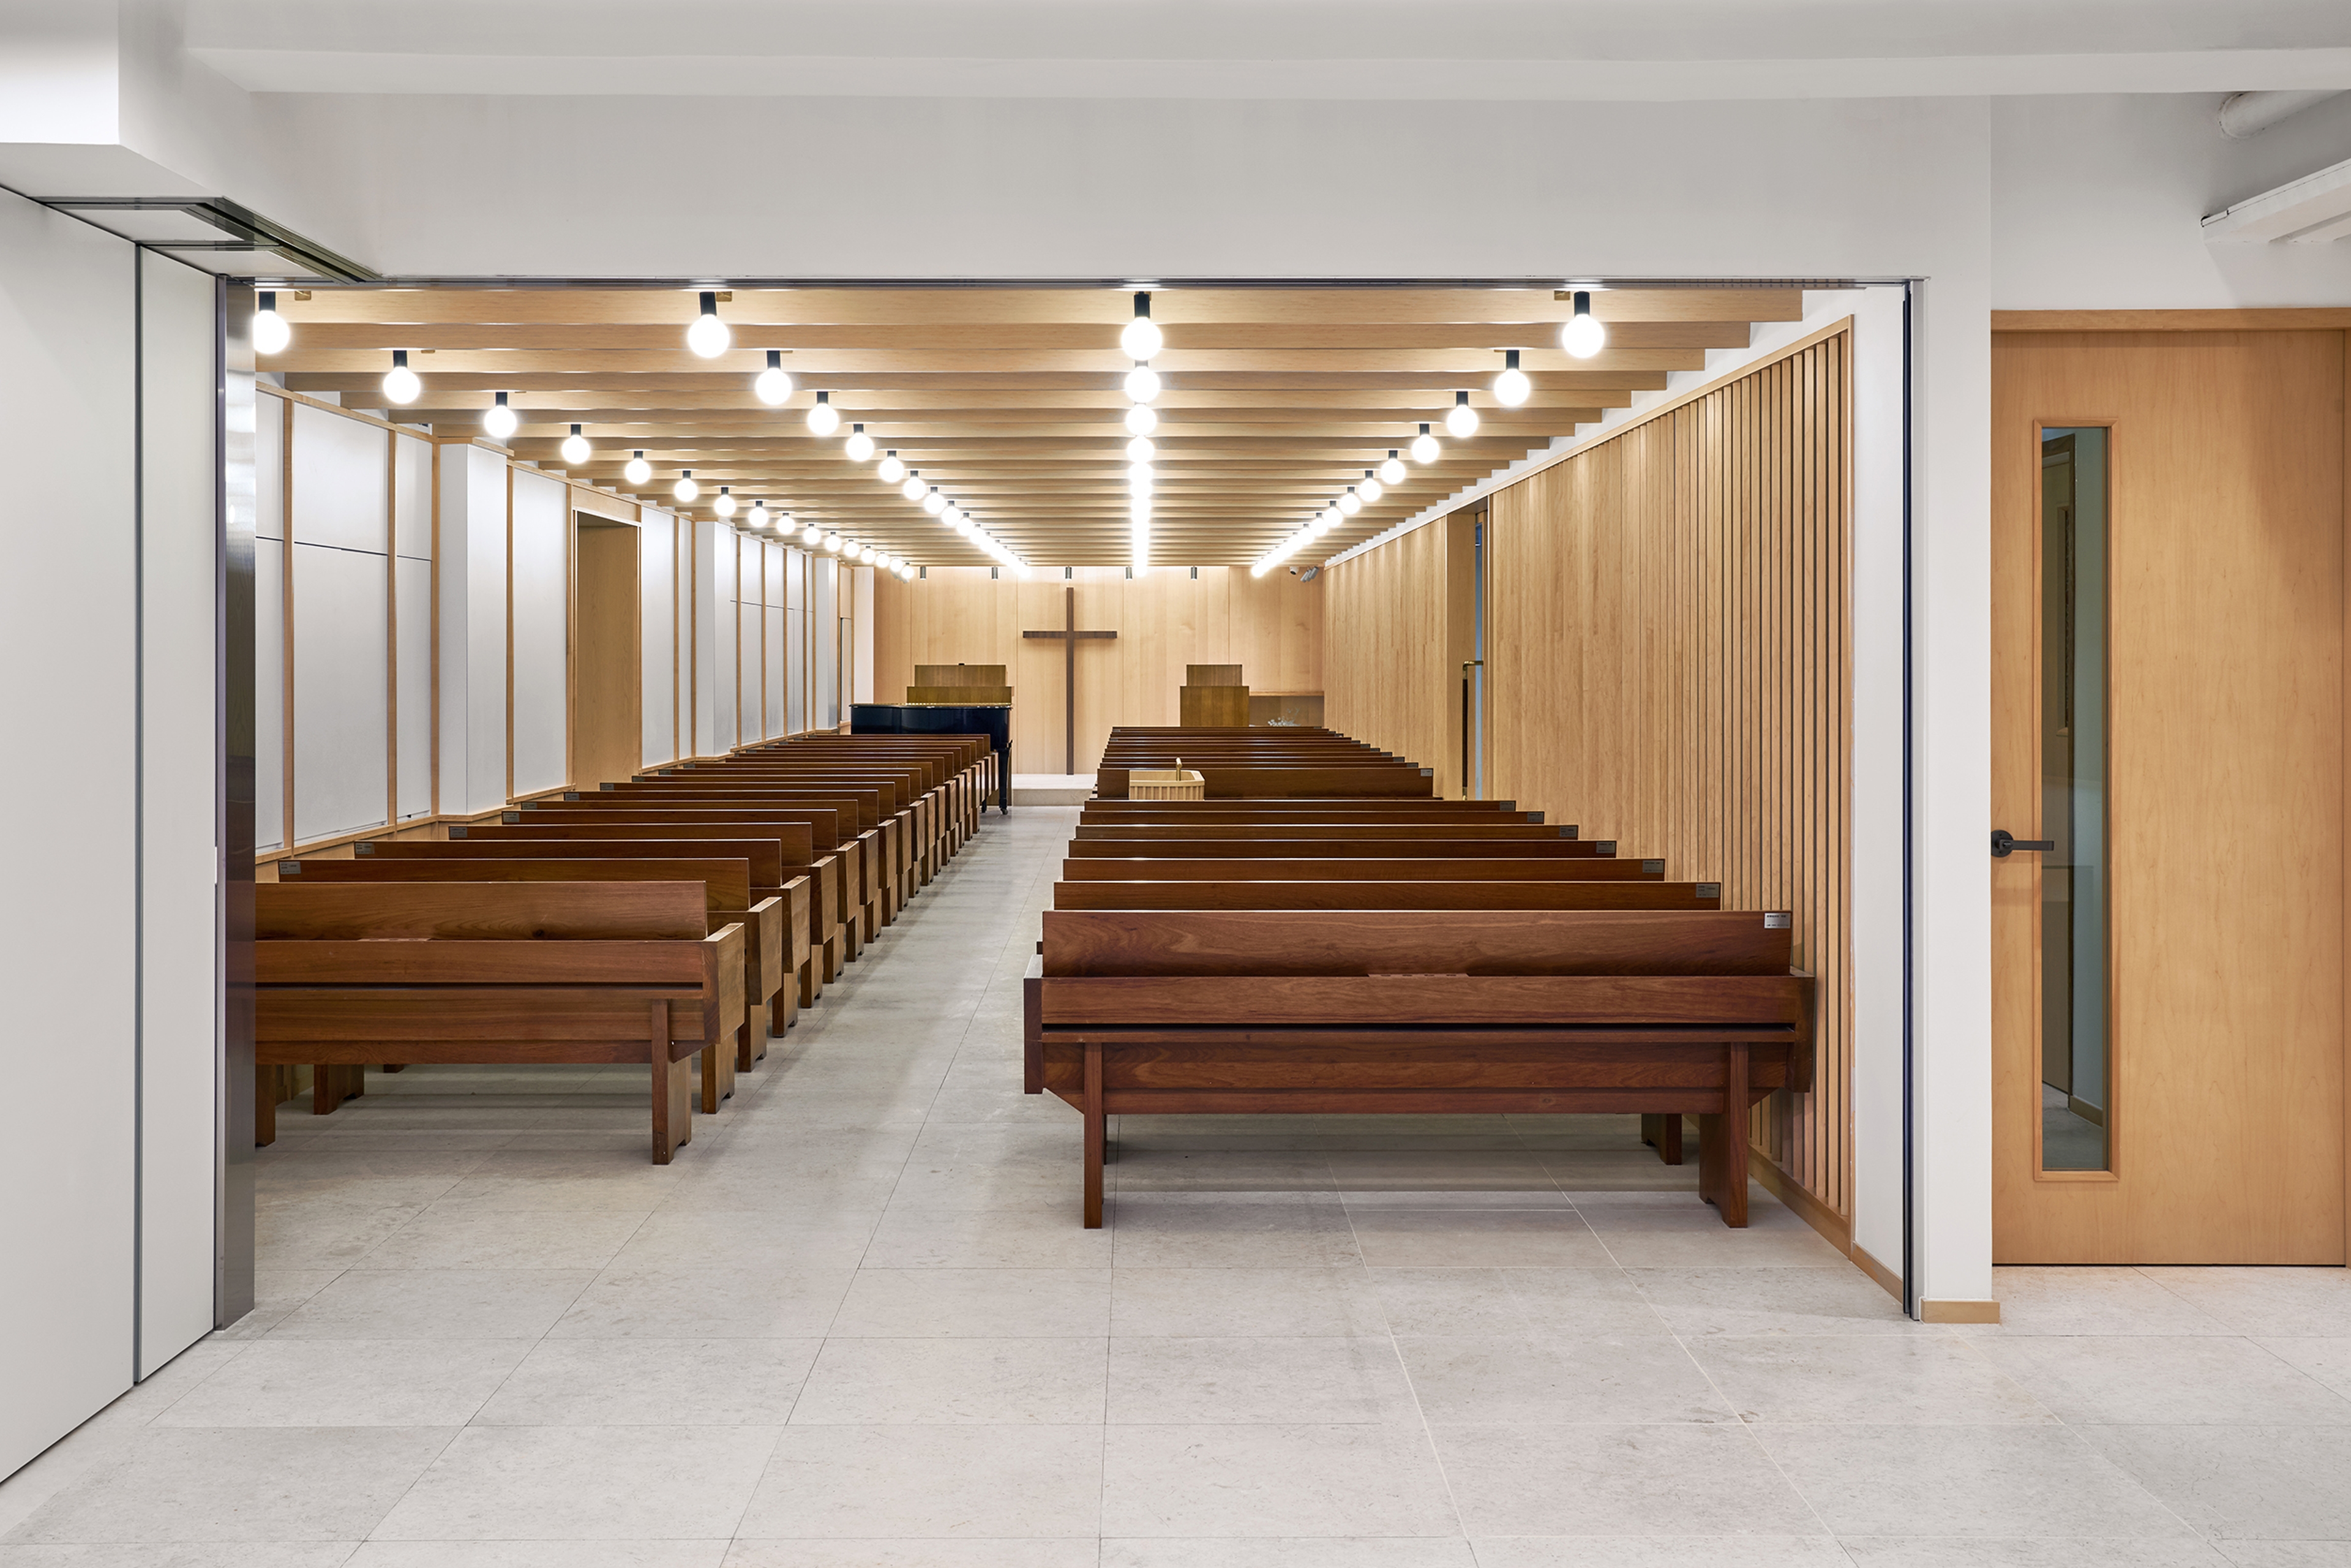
(2244, 114)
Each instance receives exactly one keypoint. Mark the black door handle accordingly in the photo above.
(2004, 843)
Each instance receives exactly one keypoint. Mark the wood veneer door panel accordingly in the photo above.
(2226, 797)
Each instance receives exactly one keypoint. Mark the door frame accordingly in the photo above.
(2276, 320)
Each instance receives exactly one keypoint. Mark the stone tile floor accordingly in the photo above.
(857, 1326)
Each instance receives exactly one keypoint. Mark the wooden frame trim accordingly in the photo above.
(2282, 319)
(391, 628)
(432, 631)
(285, 614)
(510, 631)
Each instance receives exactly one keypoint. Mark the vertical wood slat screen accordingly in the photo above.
(1669, 661)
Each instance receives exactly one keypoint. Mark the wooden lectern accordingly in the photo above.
(961, 683)
(1213, 698)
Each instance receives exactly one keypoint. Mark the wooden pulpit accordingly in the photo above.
(963, 683)
(1213, 698)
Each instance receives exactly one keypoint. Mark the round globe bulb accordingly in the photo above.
(1583, 336)
(811, 535)
(824, 419)
(1141, 449)
(890, 471)
(576, 448)
(724, 505)
(1142, 338)
(912, 489)
(757, 516)
(774, 386)
(833, 543)
(1392, 471)
(1461, 421)
(270, 332)
(1332, 516)
(1141, 477)
(638, 470)
(860, 446)
(1372, 489)
(685, 489)
(1424, 448)
(952, 517)
(1140, 420)
(1349, 504)
(784, 522)
(1143, 383)
(500, 422)
(934, 503)
(1511, 387)
(401, 385)
(708, 337)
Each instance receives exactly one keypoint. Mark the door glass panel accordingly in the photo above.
(2075, 1073)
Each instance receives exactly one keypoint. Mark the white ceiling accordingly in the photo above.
(1332, 49)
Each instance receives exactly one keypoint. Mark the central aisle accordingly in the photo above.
(857, 1325)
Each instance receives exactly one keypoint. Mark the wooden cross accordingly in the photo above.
(1069, 634)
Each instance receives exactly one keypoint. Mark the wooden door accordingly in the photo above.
(2211, 463)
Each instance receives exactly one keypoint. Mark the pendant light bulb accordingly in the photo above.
(708, 337)
(774, 385)
(934, 503)
(1461, 420)
(1143, 383)
(500, 422)
(824, 419)
(757, 516)
(1392, 471)
(400, 382)
(1141, 449)
(1351, 502)
(1583, 336)
(1425, 446)
(638, 471)
(955, 517)
(1141, 477)
(1140, 420)
(576, 449)
(914, 488)
(811, 536)
(1142, 338)
(685, 489)
(1371, 489)
(890, 470)
(859, 445)
(270, 332)
(724, 505)
(1511, 387)
(784, 523)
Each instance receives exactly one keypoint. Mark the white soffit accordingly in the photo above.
(2312, 210)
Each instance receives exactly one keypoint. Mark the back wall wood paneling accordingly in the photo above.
(1270, 626)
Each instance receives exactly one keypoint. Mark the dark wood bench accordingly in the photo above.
(1654, 1012)
(725, 886)
(1402, 893)
(350, 974)
(1381, 867)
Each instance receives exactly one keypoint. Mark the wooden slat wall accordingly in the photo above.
(1270, 626)
(1669, 654)
(1385, 678)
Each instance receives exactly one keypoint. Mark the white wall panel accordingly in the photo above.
(340, 482)
(860, 612)
(657, 634)
(542, 632)
(773, 620)
(412, 689)
(411, 496)
(179, 873)
(268, 690)
(473, 704)
(341, 688)
(796, 580)
(751, 698)
(715, 675)
(269, 466)
(66, 608)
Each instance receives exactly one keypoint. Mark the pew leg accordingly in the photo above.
(1095, 1129)
(1722, 1150)
(833, 945)
(749, 1041)
(783, 1009)
(673, 1088)
(1664, 1134)
(807, 977)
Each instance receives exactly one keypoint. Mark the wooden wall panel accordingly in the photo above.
(1165, 619)
(1668, 661)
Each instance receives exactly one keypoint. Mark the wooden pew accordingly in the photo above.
(818, 941)
(779, 992)
(727, 885)
(866, 807)
(1399, 894)
(1651, 1011)
(1404, 847)
(1380, 867)
(496, 972)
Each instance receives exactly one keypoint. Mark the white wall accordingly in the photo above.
(472, 713)
(658, 620)
(106, 937)
(339, 507)
(542, 620)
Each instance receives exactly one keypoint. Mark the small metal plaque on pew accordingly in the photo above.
(1605, 849)
(1778, 920)
(1709, 890)
(456, 829)
(1657, 866)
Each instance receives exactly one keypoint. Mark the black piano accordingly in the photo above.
(993, 720)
